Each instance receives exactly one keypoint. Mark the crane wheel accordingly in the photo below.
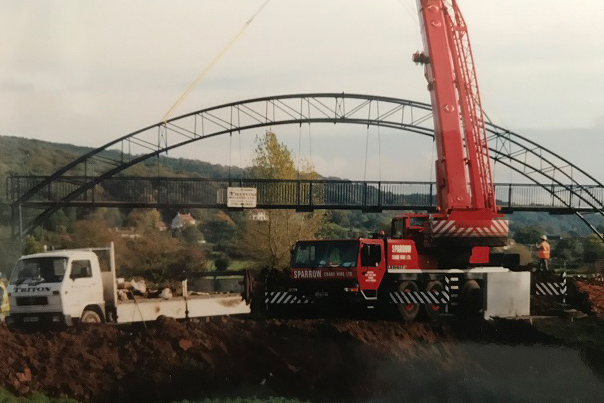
(470, 298)
(433, 311)
(408, 311)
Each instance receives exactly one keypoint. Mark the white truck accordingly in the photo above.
(72, 286)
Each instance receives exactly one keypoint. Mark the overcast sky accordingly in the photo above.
(86, 72)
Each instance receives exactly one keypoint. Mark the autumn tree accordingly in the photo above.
(157, 256)
(269, 241)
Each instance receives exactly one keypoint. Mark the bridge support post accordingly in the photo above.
(17, 232)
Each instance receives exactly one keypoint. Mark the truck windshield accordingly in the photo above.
(325, 254)
(39, 270)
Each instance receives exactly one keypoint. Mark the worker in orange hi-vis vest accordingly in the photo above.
(544, 254)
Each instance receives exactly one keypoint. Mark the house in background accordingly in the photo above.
(182, 220)
(259, 215)
(129, 232)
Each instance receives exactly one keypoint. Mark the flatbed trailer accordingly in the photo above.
(194, 306)
(70, 286)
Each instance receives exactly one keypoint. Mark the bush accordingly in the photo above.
(222, 262)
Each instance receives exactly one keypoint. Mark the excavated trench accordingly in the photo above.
(550, 360)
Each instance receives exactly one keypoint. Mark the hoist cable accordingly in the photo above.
(230, 154)
(310, 144)
(379, 145)
(432, 160)
(210, 66)
(366, 153)
(299, 151)
(240, 158)
(412, 13)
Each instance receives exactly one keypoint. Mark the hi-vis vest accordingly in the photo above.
(544, 250)
(3, 298)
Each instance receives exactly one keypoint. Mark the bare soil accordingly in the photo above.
(172, 360)
(315, 359)
(591, 294)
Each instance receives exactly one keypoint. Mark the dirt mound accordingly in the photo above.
(592, 294)
(173, 360)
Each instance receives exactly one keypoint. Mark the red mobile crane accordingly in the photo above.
(441, 261)
(468, 221)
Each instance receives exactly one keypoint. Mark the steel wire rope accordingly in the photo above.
(213, 63)
(412, 14)
(432, 164)
(379, 145)
(299, 151)
(310, 145)
(240, 157)
(366, 145)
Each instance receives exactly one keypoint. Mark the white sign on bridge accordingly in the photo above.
(241, 197)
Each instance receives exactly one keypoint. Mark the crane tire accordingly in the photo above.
(408, 311)
(470, 298)
(433, 311)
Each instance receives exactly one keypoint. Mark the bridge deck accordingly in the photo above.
(279, 194)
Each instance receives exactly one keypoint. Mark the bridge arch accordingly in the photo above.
(531, 160)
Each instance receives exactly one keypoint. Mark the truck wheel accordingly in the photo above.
(408, 311)
(433, 311)
(90, 316)
(470, 298)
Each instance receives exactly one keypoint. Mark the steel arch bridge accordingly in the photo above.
(568, 185)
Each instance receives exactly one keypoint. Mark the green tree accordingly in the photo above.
(219, 230)
(333, 231)
(112, 216)
(143, 219)
(527, 234)
(593, 249)
(269, 242)
(569, 250)
(32, 245)
(62, 220)
(190, 234)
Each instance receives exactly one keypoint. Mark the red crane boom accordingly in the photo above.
(467, 217)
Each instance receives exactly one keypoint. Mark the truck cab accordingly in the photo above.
(58, 287)
(343, 270)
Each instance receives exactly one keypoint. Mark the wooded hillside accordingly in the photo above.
(221, 230)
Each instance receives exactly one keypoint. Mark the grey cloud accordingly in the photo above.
(16, 86)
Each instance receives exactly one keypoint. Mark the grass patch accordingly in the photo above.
(234, 265)
(247, 400)
(7, 397)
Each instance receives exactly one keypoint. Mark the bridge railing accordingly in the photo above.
(298, 194)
